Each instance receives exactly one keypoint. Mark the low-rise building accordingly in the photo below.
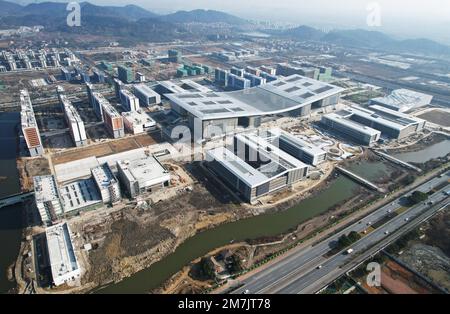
(147, 96)
(356, 131)
(138, 122)
(403, 100)
(63, 261)
(142, 175)
(47, 197)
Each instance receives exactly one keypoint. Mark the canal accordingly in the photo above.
(440, 149)
(11, 216)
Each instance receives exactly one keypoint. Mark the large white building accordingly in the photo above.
(63, 261)
(138, 122)
(47, 197)
(296, 147)
(141, 175)
(107, 184)
(147, 96)
(360, 133)
(30, 130)
(255, 168)
(403, 100)
(217, 113)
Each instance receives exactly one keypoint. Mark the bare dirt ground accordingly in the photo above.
(130, 239)
(437, 116)
(30, 167)
(396, 279)
(104, 149)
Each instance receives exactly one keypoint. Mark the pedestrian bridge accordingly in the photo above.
(359, 179)
(397, 161)
(14, 199)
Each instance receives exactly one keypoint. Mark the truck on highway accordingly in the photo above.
(349, 251)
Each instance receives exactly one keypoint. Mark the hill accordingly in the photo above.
(203, 16)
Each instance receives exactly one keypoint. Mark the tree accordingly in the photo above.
(417, 197)
(207, 269)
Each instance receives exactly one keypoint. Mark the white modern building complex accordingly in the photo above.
(358, 132)
(217, 113)
(147, 96)
(30, 130)
(107, 184)
(254, 167)
(403, 100)
(141, 175)
(364, 122)
(63, 261)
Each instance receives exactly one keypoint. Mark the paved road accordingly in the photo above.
(307, 282)
(299, 264)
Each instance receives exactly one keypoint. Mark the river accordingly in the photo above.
(11, 216)
(440, 149)
(272, 224)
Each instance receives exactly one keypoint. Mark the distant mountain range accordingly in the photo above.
(366, 39)
(137, 23)
(203, 16)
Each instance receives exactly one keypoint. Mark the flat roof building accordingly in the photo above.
(391, 123)
(47, 198)
(128, 100)
(81, 195)
(223, 112)
(296, 147)
(147, 96)
(30, 130)
(142, 175)
(125, 74)
(288, 70)
(111, 117)
(73, 119)
(403, 100)
(356, 131)
(107, 184)
(255, 167)
(138, 122)
(62, 258)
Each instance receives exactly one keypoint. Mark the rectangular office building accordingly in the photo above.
(255, 168)
(47, 197)
(63, 261)
(358, 132)
(107, 184)
(128, 100)
(147, 96)
(30, 130)
(143, 175)
(296, 147)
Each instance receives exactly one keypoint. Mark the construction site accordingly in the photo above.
(96, 148)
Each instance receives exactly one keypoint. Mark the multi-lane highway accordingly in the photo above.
(307, 270)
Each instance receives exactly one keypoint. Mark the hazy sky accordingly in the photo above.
(411, 18)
